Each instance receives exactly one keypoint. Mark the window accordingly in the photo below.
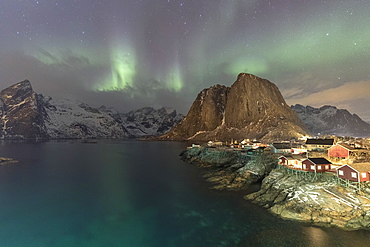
(353, 174)
(340, 172)
(312, 167)
(304, 166)
(327, 167)
(319, 167)
(363, 175)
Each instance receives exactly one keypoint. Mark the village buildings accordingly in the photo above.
(314, 156)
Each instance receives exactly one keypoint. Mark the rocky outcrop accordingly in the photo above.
(22, 114)
(329, 120)
(148, 121)
(251, 108)
(227, 169)
(318, 201)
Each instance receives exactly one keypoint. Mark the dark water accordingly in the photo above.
(118, 193)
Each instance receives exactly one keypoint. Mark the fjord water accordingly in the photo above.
(132, 193)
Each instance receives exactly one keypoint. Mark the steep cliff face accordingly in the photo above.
(332, 121)
(22, 115)
(205, 114)
(251, 108)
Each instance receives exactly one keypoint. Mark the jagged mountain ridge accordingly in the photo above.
(332, 121)
(251, 108)
(148, 121)
(28, 115)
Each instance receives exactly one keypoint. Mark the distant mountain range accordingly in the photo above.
(28, 115)
(251, 108)
(330, 120)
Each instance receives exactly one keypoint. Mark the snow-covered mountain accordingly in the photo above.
(74, 119)
(332, 121)
(147, 121)
(28, 115)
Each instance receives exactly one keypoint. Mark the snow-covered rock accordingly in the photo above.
(74, 119)
(28, 115)
(332, 121)
(148, 121)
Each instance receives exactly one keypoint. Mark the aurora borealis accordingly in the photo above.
(129, 54)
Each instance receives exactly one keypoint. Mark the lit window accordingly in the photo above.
(353, 174)
(340, 172)
(363, 175)
(304, 166)
(312, 167)
(319, 167)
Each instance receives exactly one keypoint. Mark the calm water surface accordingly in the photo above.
(132, 193)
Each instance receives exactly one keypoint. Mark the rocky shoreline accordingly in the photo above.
(318, 200)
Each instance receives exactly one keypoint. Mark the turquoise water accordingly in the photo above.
(132, 193)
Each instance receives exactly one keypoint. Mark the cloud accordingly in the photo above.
(302, 85)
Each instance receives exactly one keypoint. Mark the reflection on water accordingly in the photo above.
(117, 193)
(316, 236)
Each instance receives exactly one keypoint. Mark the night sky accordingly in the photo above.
(129, 54)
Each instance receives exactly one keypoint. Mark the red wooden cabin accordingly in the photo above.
(358, 172)
(340, 151)
(316, 165)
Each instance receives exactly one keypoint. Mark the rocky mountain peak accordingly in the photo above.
(22, 114)
(251, 108)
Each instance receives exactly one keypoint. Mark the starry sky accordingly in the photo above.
(134, 53)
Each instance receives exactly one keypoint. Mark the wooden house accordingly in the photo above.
(291, 161)
(319, 144)
(357, 172)
(316, 165)
(340, 150)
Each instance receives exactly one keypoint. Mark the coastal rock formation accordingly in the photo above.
(321, 202)
(227, 169)
(251, 108)
(317, 199)
(330, 120)
(148, 121)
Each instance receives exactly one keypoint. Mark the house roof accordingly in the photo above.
(282, 145)
(346, 146)
(319, 161)
(293, 157)
(361, 167)
(320, 141)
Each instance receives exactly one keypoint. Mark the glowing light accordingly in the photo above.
(123, 64)
(252, 66)
(174, 80)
